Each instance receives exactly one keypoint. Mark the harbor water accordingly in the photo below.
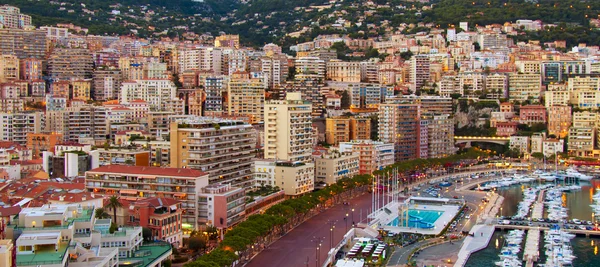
(578, 204)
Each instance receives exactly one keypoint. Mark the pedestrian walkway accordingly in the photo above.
(478, 239)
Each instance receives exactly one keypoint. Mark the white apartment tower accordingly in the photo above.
(288, 128)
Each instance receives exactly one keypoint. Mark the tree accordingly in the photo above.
(477, 46)
(114, 204)
(147, 234)
(101, 214)
(537, 155)
(345, 100)
(406, 55)
(176, 81)
(212, 232)
(197, 243)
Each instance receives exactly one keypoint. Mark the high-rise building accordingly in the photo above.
(11, 17)
(368, 95)
(23, 43)
(153, 91)
(70, 63)
(496, 85)
(440, 135)
(310, 66)
(222, 148)
(288, 129)
(15, 126)
(9, 68)
(82, 89)
(30, 69)
(214, 88)
(246, 95)
(419, 72)
(399, 124)
(106, 83)
(373, 155)
(134, 182)
(559, 120)
(343, 71)
(522, 87)
(345, 129)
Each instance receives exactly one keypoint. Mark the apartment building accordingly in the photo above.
(496, 85)
(368, 95)
(399, 124)
(559, 120)
(15, 126)
(531, 114)
(343, 71)
(344, 129)
(557, 95)
(373, 155)
(582, 141)
(440, 135)
(288, 129)
(419, 72)
(163, 216)
(221, 205)
(85, 122)
(70, 63)
(106, 83)
(310, 66)
(153, 91)
(9, 68)
(82, 89)
(123, 156)
(27, 43)
(214, 88)
(222, 148)
(246, 95)
(333, 165)
(520, 143)
(295, 178)
(133, 182)
(39, 142)
(522, 87)
(11, 17)
(264, 172)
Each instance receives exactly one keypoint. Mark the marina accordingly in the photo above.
(557, 213)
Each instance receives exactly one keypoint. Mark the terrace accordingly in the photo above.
(147, 254)
(44, 255)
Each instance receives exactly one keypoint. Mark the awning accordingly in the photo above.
(128, 191)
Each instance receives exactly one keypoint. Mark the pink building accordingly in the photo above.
(531, 114)
(506, 128)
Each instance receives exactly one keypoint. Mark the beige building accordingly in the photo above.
(295, 178)
(584, 92)
(70, 63)
(582, 141)
(496, 85)
(557, 95)
(15, 127)
(559, 120)
(9, 68)
(246, 95)
(106, 83)
(343, 71)
(522, 87)
(308, 66)
(6, 252)
(334, 165)
(288, 129)
(82, 89)
(11, 17)
(154, 91)
(222, 148)
(440, 135)
(344, 129)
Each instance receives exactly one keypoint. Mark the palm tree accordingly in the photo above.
(101, 213)
(114, 204)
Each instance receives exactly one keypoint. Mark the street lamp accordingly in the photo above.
(353, 218)
(346, 219)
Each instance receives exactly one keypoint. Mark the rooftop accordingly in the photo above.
(147, 254)
(142, 170)
(44, 255)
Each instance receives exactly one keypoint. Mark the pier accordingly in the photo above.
(532, 250)
(480, 238)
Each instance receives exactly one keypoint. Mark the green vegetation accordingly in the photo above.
(263, 228)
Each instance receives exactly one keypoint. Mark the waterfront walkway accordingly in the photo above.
(480, 238)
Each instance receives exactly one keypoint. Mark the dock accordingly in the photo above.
(482, 234)
(531, 253)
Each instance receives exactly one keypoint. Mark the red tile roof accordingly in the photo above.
(143, 170)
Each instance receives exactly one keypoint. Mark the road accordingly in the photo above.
(298, 247)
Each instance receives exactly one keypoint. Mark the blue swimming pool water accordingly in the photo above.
(419, 219)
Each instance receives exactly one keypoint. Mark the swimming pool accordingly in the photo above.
(419, 219)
